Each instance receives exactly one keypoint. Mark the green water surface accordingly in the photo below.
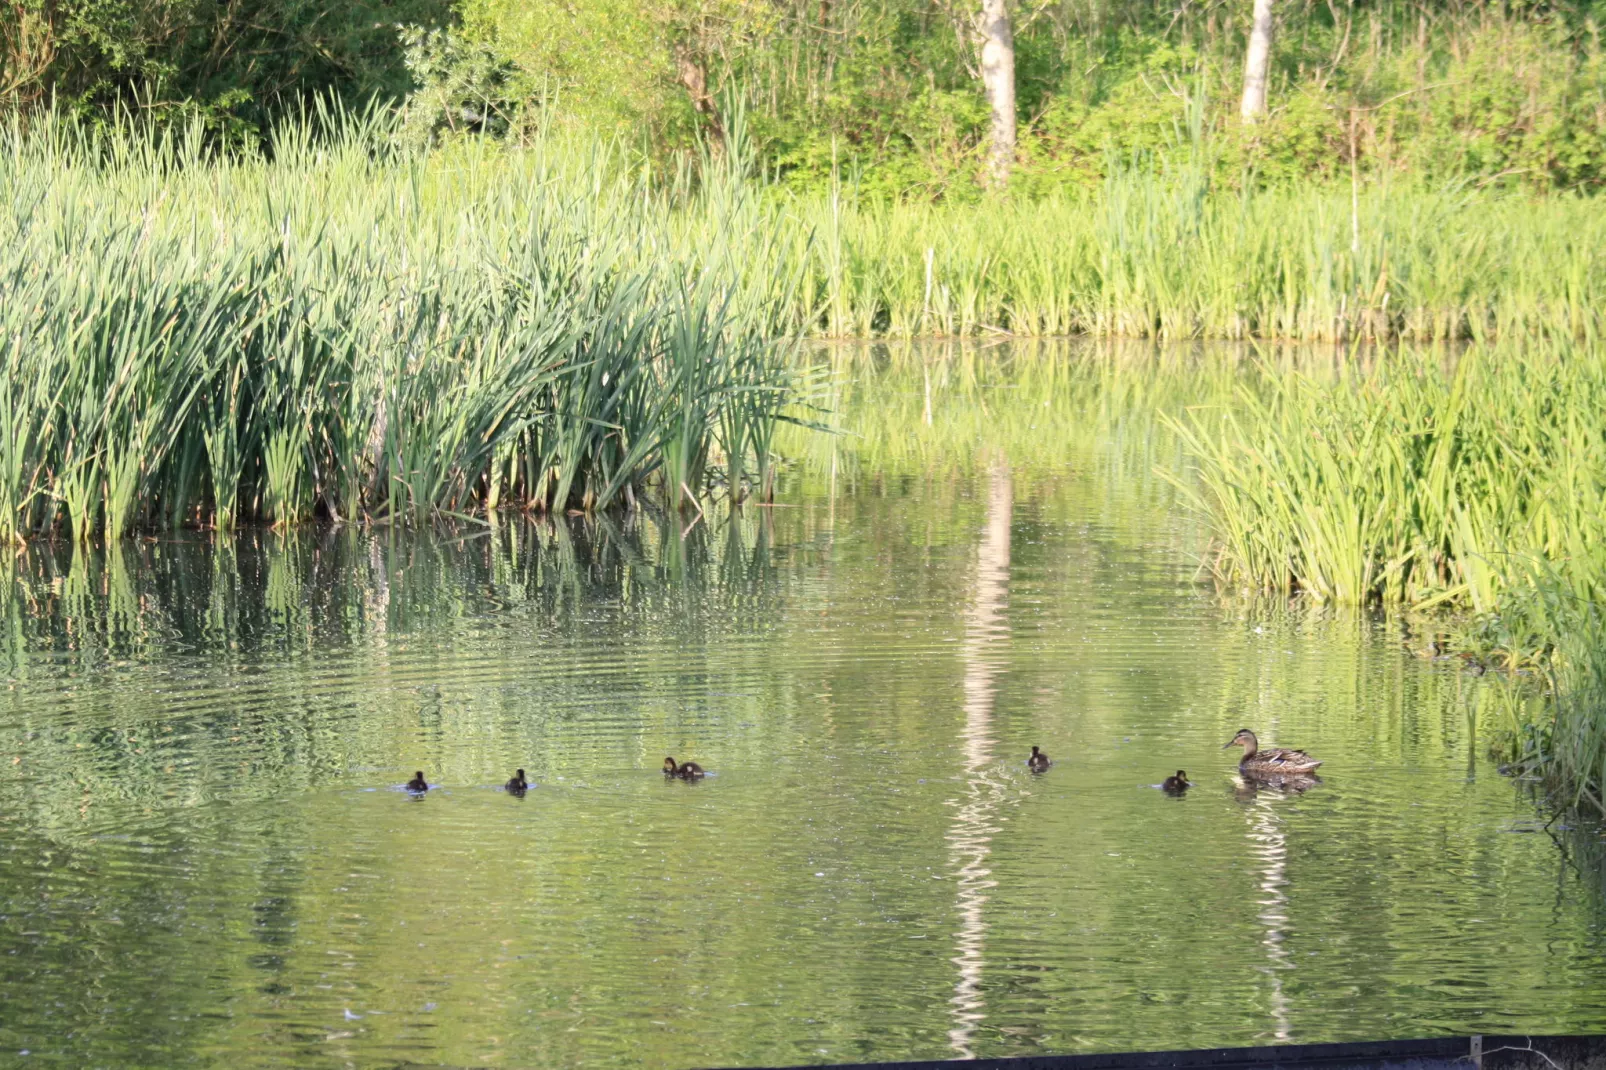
(206, 857)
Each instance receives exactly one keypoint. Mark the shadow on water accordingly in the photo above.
(205, 854)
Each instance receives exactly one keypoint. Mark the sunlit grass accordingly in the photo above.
(1160, 256)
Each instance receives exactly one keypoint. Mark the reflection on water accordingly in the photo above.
(205, 857)
(1270, 847)
(986, 629)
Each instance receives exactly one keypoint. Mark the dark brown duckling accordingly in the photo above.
(518, 785)
(1178, 784)
(685, 770)
(1038, 762)
(418, 784)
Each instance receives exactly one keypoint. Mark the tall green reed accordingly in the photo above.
(341, 329)
(1154, 254)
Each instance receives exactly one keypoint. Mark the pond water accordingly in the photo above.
(206, 857)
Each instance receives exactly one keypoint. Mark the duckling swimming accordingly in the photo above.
(418, 785)
(1038, 762)
(1432, 652)
(1277, 761)
(1178, 784)
(685, 770)
(518, 785)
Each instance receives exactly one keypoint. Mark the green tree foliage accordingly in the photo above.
(885, 93)
(239, 62)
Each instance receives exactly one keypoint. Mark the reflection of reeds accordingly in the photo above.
(946, 409)
(970, 838)
(323, 619)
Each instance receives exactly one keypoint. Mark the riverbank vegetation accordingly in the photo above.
(347, 327)
(201, 340)
(1428, 480)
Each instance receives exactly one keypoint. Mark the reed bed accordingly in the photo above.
(1160, 255)
(341, 327)
(339, 330)
(1433, 479)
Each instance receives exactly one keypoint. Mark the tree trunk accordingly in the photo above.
(998, 77)
(1257, 64)
(694, 76)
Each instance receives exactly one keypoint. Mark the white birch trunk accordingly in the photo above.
(1258, 63)
(998, 77)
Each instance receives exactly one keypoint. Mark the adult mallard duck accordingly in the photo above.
(685, 770)
(1177, 784)
(1277, 761)
(418, 784)
(518, 785)
(1038, 762)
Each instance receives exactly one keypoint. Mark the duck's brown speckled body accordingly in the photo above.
(1274, 761)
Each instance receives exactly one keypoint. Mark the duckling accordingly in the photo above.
(1038, 762)
(1278, 761)
(685, 770)
(418, 784)
(1432, 652)
(1178, 784)
(518, 785)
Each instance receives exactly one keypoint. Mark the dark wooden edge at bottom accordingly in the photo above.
(1488, 1052)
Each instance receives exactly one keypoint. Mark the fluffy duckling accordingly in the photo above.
(685, 770)
(518, 785)
(1038, 762)
(1178, 784)
(418, 784)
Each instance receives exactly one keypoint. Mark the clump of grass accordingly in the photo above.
(1415, 481)
(344, 331)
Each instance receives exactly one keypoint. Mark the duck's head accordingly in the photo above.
(518, 774)
(1035, 752)
(1182, 777)
(669, 765)
(418, 774)
(1244, 738)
